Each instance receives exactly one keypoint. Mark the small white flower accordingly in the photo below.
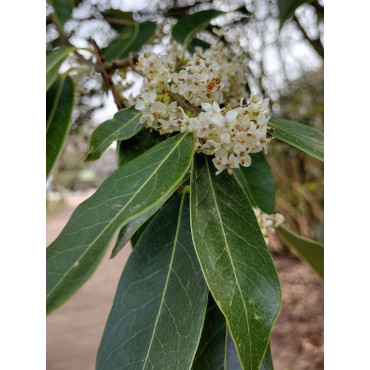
(268, 223)
(159, 107)
(208, 79)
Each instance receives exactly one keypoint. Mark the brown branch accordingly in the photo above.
(183, 103)
(133, 60)
(100, 60)
(117, 64)
(130, 61)
(316, 43)
(63, 38)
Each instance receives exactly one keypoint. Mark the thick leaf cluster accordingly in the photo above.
(200, 290)
(208, 245)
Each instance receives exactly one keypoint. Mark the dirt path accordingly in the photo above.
(75, 329)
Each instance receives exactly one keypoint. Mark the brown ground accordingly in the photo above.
(74, 330)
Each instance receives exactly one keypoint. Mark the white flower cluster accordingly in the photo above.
(268, 223)
(232, 70)
(186, 96)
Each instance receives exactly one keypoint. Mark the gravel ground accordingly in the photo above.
(75, 329)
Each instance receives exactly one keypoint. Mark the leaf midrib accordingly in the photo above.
(300, 134)
(118, 214)
(232, 263)
(247, 188)
(51, 65)
(167, 279)
(110, 138)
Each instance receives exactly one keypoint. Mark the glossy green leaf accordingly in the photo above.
(63, 10)
(186, 27)
(195, 42)
(59, 105)
(127, 151)
(137, 145)
(257, 182)
(301, 136)
(309, 250)
(234, 258)
(132, 38)
(118, 19)
(124, 125)
(211, 350)
(287, 8)
(216, 350)
(267, 363)
(128, 231)
(54, 60)
(131, 190)
(121, 44)
(159, 308)
(136, 236)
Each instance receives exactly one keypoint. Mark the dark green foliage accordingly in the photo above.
(59, 105)
(159, 308)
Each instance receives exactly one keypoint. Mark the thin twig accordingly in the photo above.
(184, 103)
(100, 60)
(130, 61)
(133, 60)
(117, 64)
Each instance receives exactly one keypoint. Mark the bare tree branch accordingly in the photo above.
(100, 60)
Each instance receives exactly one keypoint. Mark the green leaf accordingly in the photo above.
(121, 44)
(267, 363)
(132, 38)
(128, 231)
(186, 27)
(118, 19)
(54, 60)
(136, 236)
(258, 183)
(131, 190)
(59, 104)
(124, 125)
(287, 8)
(137, 145)
(159, 308)
(127, 151)
(234, 258)
(216, 348)
(301, 136)
(63, 10)
(197, 42)
(309, 250)
(211, 350)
